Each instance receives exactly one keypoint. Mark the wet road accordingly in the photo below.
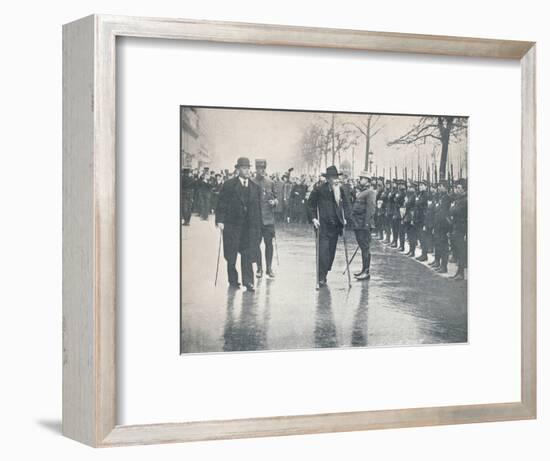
(404, 303)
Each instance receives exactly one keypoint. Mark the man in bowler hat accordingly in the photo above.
(329, 208)
(239, 217)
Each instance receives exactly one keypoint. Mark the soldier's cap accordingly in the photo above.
(443, 182)
(364, 174)
(242, 162)
(186, 169)
(388, 181)
(331, 171)
(206, 168)
(401, 182)
(261, 162)
(380, 178)
(218, 175)
(423, 182)
(394, 180)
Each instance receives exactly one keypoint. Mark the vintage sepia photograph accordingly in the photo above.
(308, 229)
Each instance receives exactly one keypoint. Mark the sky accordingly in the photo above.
(275, 136)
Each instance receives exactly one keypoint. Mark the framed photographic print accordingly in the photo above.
(302, 219)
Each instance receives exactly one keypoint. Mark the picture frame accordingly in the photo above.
(89, 229)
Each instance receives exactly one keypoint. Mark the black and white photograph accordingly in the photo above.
(310, 229)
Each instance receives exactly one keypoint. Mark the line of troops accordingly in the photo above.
(432, 217)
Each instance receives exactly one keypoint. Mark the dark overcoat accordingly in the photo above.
(329, 212)
(240, 217)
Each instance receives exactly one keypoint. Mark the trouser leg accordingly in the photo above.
(363, 240)
(247, 272)
(327, 249)
(268, 242)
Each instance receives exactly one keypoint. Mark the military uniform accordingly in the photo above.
(459, 217)
(268, 201)
(408, 221)
(441, 229)
(362, 220)
(420, 206)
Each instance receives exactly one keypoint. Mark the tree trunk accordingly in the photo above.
(444, 153)
(367, 146)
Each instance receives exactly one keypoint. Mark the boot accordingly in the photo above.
(270, 273)
(393, 245)
(356, 274)
(441, 269)
(259, 273)
(363, 276)
(423, 257)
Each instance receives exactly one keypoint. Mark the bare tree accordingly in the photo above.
(338, 139)
(442, 128)
(369, 128)
(313, 144)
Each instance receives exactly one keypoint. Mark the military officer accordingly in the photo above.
(420, 206)
(408, 219)
(269, 202)
(239, 217)
(441, 228)
(399, 213)
(362, 220)
(329, 207)
(459, 218)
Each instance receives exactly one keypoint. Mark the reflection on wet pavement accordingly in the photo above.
(404, 303)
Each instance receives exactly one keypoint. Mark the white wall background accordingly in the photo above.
(30, 235)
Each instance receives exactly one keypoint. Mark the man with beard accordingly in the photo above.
(268, 203)
(239, 218)
(329, 206)
(362, 218)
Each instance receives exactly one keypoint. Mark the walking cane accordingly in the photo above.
(218, 263)
(276, 249)
(346, 253)
(317, 251)
(316, 258)
(351, 260)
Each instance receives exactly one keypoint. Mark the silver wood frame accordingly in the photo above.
(89, 232)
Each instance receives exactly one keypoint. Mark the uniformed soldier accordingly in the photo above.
(239, 217)
(420, 206)
(459, 217)
(362, 219)
(408, 219)
(392, 231)
(387, 212)
(441, 228)
(329, 206)
(187, 195)
(399, 213)
(268, 203)
(380, 211)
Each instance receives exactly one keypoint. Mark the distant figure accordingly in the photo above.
(328, 205)
(239, 217)
(187, 195)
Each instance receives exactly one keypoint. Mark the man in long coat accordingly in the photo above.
(329, 207)
(362, 217)
(239, 217)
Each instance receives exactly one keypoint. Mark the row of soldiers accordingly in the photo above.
(431, 216)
